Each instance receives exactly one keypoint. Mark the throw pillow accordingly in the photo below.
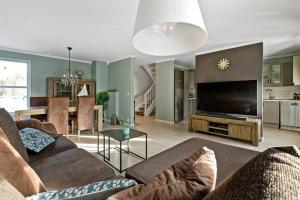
(16, 171)
(35, 140)
(46, 127)
(8, 192)
(99, 190)
(191, 178)
(9, 127)
(273, 174)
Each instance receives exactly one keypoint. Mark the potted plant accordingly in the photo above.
(102, 99)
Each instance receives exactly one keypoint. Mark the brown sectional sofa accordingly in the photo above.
(64, 165)
(60, 165)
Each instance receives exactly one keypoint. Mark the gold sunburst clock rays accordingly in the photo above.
(223, 64)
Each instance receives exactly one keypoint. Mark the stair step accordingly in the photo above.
(139, 113)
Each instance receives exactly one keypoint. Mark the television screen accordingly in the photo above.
(235, 97)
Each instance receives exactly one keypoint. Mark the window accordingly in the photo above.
(14, 81)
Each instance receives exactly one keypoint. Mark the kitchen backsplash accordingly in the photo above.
(281, 92)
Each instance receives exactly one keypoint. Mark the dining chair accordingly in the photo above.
(58, 113)
(38, 101)
(85, 114)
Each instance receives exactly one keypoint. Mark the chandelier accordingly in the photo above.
(68, 79)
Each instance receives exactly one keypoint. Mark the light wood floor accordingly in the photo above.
(162, 136)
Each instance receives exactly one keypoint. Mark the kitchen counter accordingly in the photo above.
(282, 113)
(282, 100)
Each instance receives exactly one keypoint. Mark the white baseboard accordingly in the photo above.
(125, 123)
(163, 121)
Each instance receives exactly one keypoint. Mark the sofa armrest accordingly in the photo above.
(36, 124)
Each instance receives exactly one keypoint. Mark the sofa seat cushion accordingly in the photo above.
(61, 144)
(229, 159)
(72, 168)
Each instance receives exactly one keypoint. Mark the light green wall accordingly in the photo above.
(43, 67)
(100, 75)
(117, 75)
(165, 91)
(121, 78)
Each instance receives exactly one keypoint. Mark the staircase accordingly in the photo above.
(149, 97)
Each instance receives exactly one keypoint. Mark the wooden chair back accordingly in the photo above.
(58, 113)
(85, 113)
(38, 101)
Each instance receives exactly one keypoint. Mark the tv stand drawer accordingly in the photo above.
(199, 125)
(240, 132)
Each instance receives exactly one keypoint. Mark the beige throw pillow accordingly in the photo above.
(16, 171)
(8, 192)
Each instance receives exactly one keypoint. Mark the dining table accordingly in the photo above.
(39, 110)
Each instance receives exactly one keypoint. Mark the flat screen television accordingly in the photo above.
(234, 97)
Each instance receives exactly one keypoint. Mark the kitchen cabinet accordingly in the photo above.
(296, 70)
(271, 112)
(278, 74)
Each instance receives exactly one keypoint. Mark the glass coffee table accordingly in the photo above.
(117, 134)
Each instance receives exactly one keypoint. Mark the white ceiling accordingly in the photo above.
(102, 29)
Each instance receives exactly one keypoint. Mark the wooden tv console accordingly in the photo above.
(247, 130)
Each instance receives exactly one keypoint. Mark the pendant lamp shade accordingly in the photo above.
(168, 27)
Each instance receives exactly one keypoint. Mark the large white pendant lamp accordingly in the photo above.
(168, 27)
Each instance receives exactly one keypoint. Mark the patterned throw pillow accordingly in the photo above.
(35, 140)
(98, 190)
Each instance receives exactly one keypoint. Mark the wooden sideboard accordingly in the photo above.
(247, 130)
(56, 89)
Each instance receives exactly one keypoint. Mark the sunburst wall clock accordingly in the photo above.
(223, 64)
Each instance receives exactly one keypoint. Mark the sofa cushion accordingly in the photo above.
(93, 191)
(16, 171)
(273, 174)
(46, 127)
(192, 178)
(9, 127)
(61, 144)
(35, 140)
(72, 168)
(229, 159)
(8, 192)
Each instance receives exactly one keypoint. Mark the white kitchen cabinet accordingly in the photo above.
(278, 74)
(271, 113)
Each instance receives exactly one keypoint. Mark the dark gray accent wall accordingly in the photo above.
(246, 64)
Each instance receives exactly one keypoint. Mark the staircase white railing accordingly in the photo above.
(149, 100)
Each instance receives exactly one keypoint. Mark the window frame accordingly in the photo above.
(28, 62)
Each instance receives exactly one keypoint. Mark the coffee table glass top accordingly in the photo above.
(118, 135)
